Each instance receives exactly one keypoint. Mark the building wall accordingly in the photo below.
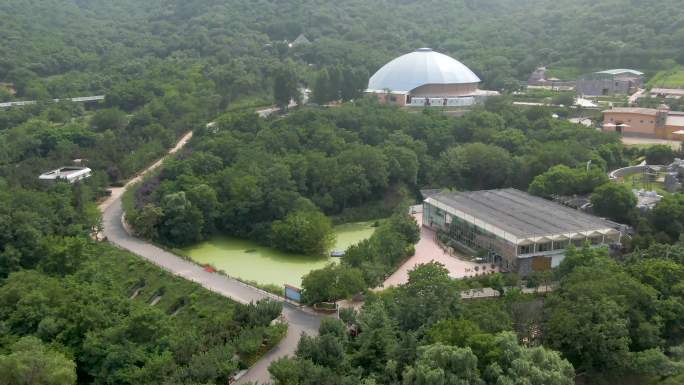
(619, 84)
(639, 124)
(391, 98)
(463, 101)
(521, 259)
(669, 133)
(444, 90)
(472, 237)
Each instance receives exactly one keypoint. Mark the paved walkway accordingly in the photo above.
(635, 96)
(299, 320)
(81, 99)
(428, 250)
(117, 192)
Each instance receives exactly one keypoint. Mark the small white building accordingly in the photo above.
(69, 174)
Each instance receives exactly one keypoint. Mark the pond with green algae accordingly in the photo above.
(250, 261)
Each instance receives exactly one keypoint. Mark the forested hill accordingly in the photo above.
(77, 46)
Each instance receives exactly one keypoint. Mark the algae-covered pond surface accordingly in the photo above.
(248, 260)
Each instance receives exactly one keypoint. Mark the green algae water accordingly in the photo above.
(251, 261)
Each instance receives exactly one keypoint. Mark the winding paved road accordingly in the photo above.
(299, 320)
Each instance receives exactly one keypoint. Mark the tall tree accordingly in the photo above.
(29, 362)
(613, 200)
(309, 232)
(428, 296)
(440, 364)
(286, 86)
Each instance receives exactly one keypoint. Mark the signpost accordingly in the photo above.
(293, 293)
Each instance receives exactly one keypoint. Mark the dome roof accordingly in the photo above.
(423, 66)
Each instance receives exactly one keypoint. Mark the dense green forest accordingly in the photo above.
(170, 66)
(244, 173)
(611, 321)
(89, 313)
(65, 47)
(100, 315)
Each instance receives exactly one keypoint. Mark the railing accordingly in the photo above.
(80, 99)
(442, 102)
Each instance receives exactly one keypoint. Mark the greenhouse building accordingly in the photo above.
(513, 229)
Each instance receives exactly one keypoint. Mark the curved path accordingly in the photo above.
(299, 320)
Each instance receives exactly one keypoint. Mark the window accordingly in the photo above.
(642, 122)
(544, 247)
(526, 249)
(596, 240)
(560, 245)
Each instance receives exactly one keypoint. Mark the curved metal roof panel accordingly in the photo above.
(619, 71)
(418, 68)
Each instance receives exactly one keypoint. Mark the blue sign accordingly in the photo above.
(293, 293)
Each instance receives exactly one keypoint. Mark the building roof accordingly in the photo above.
(418, 68)
(675, 121)
(67, 173)
(632, 110)
(300, 40)
(668, 91)
(587, 122)
(619, 71)
(518, 216)
(427, 193)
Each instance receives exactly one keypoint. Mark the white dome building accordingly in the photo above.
(425, 78)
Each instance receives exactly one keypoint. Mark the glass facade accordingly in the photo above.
(466, 235)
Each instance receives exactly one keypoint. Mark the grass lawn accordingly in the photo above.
(563, 73)
(672, 78)
(541, 96)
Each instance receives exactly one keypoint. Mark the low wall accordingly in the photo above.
(630, 170)
(623, 172)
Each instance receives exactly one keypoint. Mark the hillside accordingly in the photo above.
(76, 47)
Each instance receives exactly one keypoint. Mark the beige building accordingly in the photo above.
(658, 123)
